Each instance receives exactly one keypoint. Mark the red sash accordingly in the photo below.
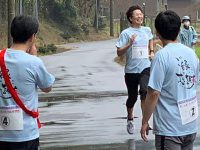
(34, 114)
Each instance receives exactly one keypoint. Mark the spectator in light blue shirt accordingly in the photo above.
(172, 93)
(27, 73)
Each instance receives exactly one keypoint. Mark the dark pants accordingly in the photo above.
(132, 81)
(27, 145)
(175, 142)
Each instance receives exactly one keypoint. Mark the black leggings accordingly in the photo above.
(132, 81)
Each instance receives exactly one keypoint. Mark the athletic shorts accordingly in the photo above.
(175, 142)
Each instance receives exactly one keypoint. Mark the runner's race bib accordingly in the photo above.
(11, 118)
(139, 51)
(188, 110)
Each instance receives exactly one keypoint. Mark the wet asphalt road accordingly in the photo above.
(86, 109)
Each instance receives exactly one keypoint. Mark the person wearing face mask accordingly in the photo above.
(136, 44)
(187, 35)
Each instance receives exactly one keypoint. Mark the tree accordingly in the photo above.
(18, 7)
(35, 8)
(3, 11)
(111, 19)
(11, 15)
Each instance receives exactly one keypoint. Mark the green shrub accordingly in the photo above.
(102, 22)
(197, 51)
(85, 29)
(52, 48)
(66, 35)
(46, 49)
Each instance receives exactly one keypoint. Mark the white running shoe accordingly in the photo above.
(130, 126)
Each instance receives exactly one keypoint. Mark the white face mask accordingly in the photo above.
(186, 23)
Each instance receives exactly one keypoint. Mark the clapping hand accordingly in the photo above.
(132, 39)
(32, 50)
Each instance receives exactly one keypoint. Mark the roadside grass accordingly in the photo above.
(49, 34)
(197, 51)
(3, 36)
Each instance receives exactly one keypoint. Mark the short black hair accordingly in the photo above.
(168, 24)
(129, 13)
(23, 27)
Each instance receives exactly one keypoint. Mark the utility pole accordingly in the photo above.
(11, 15)
(165, 4)
(111, 19)
(96, 16)
(144, 11)
(157, 6)
(20, 7)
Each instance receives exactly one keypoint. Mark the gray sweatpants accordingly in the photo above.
(175, 142)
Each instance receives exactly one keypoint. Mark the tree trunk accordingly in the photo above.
(11, 15)
(20, 7)
(35, 9)
(17, 6)
(1, 12)
(111, 19)
(96, 16)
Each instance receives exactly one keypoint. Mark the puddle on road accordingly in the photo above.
(130, 144)
(94, 122)
(90, 123)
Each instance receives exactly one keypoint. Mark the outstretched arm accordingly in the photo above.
(195, 36)
(150, 104)
(151, 49)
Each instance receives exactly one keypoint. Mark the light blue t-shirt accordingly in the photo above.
(135, 65)
(174, 73)
(27, 73)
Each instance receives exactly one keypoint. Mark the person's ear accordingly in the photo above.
(158, 35)
(131, 19)
(32, 38)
